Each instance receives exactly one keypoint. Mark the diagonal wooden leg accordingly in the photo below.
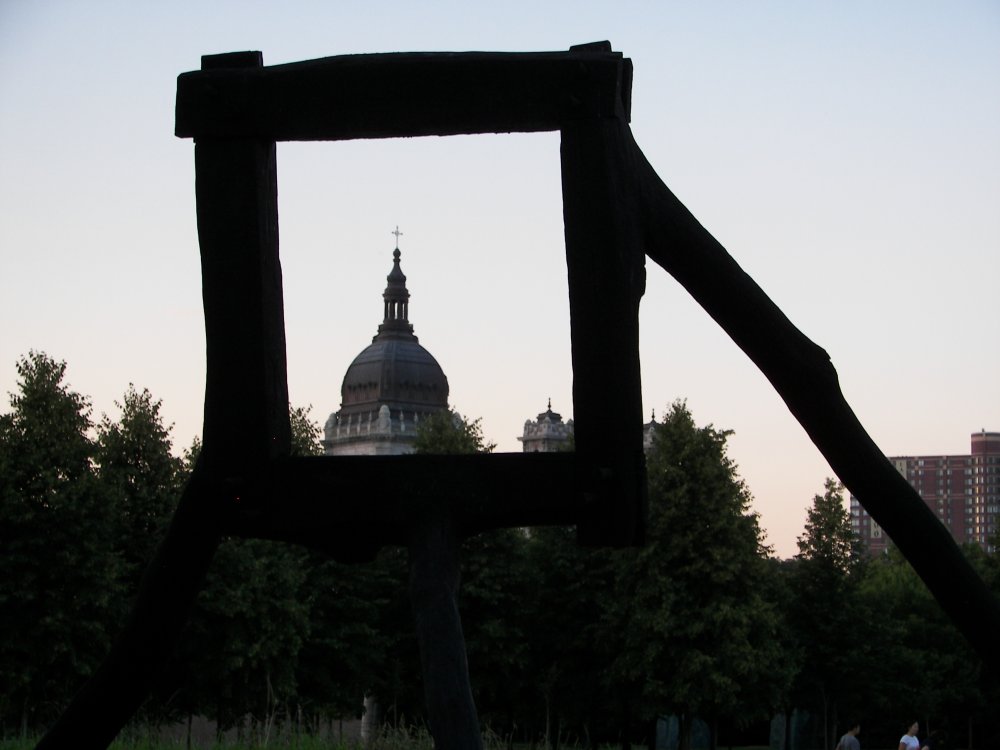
(802, 374)
(169, 586)
(246, 418)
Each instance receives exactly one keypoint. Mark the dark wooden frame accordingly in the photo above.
(616, 211)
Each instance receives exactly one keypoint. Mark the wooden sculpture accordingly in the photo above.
(616, 211)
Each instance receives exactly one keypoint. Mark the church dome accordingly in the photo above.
(397, 372)
(394, 370)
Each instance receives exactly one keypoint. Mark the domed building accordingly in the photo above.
(390, 385)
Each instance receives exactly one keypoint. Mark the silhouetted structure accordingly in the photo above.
(615, 210)
(390, 385)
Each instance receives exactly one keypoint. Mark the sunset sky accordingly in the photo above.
(847, 154)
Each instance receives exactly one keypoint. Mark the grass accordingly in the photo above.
(389, 740)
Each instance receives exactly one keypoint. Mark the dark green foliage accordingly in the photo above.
(699, 636)
(829, 544)
(306, 434)
(585, 646)
(59, 577)
(620, 637)
(448, 432)
(922, 661)
(828, 617)
(345, 656)
(238, 655)
(495, 580)
(399, 688)
(572, 638)
(140, 476)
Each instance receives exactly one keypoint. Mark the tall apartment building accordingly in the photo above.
(964, 492)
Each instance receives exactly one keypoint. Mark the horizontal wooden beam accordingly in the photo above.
(403, 94)
(350, 506)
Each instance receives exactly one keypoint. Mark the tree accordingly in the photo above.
(698, 639)
(448, 432)
(59, 596)
(925, 666)
(829, 542)
(306, 434)
(828, 615)
(140, 476)
(349, 650)
(239, 654)
(346, 653)
(492, 600)
(572, 637)
(778, 588)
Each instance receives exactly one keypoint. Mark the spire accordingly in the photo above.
(548, 415)
(396, 300)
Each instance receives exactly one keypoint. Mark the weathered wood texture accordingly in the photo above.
(246, 393)
(615, 203)
(607, 278)
(405, 94)
(315, 501)
(434, 579)
(802, 374)
(246, 419)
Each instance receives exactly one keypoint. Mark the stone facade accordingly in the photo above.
(387, 434)
(547, 434)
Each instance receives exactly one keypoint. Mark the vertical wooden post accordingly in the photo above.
(606, 267)
(434, 580)
(246, 390)
(246, 395)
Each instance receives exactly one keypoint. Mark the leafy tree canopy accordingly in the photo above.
(59, 589)
(829, 618)
(699, 639)
(448, 432)
(140, 474)
(306, 434)
(828, 539)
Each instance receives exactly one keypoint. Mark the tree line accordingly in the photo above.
(565, 645)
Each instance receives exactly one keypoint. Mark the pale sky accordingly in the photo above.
(847, 154)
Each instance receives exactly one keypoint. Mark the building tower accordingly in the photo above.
(547, 434)
(389, 386)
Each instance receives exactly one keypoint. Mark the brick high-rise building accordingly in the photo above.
(964, 492)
